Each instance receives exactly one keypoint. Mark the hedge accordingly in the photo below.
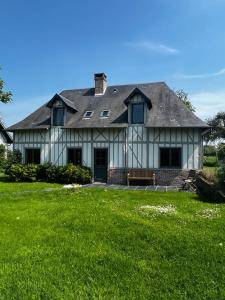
(210, 161)
(209, 150)
(50, 173)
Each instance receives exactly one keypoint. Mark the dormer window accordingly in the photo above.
(58, 113)
(137, 113)
(138, 106)
(88, 114)
(104, 114)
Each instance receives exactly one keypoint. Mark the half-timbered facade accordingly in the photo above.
(114, 129)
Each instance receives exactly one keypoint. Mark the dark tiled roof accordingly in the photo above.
(8, 138)
(63, 99)
(166, 110)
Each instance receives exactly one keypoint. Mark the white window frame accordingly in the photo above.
(88, 117)
(102, 115)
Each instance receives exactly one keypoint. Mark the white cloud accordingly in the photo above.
(152, 46)
(203, 75)
(16, 111)
(208, 103)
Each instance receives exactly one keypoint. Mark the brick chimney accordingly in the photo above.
(100, 83)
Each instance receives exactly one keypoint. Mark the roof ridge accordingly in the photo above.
(117, 85)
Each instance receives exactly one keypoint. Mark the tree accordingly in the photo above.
(184, 98)
(217, 131)
(5, 97)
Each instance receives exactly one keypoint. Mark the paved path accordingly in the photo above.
(133, 187)
(105, 186)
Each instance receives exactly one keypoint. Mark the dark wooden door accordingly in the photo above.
(100, 164)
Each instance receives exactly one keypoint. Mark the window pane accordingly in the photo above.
(101, 157)
(88, 114)
(138, 113)
(75, 156)
(164, 157)
(170, 157)
(33, 156)
(58, 116)
(176, 157)
(104, 113)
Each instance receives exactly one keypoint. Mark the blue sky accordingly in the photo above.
(47, 46)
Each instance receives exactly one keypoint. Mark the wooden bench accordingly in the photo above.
(140, 174)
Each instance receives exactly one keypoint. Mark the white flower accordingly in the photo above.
(146, 209)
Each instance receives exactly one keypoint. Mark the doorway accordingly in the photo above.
(100, 164)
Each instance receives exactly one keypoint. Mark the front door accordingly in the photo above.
(100, 164)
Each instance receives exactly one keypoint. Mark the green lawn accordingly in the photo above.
(12, 187)
(106, 244)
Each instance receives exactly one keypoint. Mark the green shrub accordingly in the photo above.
(53, 174)
(221, 152)
(42, 171)
(68, 174)
(13, 157)
(19, 172)
(209, 150)
(210, 161)
(78, 174)
(50, 173)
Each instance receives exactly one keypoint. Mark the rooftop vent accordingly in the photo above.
(100, 83)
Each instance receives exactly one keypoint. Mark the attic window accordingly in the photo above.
(88, 114)
(104, 114)
(58, 116)
(137, 113)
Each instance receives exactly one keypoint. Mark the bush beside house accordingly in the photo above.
(9, 157)
(210, 161)
(209, 150)
(50, 173)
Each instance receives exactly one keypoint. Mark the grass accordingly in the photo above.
(210, 167)
(110, 244)
(7, 186)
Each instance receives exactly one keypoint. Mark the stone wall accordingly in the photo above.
(117, 176)
(163, 176)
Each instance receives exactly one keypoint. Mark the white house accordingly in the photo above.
(112, 129)
(5, 138)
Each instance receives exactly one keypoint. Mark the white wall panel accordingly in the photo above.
(54, 143)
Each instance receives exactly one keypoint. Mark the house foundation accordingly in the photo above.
(164, 177)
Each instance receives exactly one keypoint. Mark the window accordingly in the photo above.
(58, 116)
(33, 156)
(75, 156)
(104, 114)
(88, 114)
(137, 113)
(170, 157)
(100, 157)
